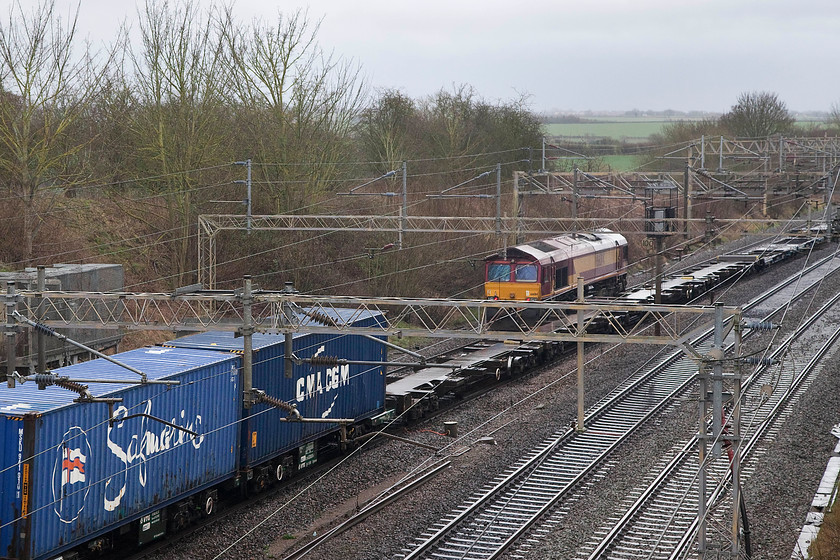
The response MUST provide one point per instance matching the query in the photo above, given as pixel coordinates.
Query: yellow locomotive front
(512, 279)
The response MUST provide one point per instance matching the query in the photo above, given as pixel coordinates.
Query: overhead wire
(381, 162)
(361, 256)
(419, 467)
(234, 260)
(165, 391)
(416, 469)
(228, 165)
(743, 396)
(449, 260)
(165, 241)
(727, 289)
(121, 182)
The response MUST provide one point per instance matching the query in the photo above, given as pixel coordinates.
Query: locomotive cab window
(526, 273)
(498, 272)
(561, 277)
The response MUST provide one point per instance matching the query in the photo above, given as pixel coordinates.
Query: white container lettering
(139, 446)
(321, 382)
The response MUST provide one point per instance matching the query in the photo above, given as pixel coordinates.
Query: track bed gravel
(778, 494)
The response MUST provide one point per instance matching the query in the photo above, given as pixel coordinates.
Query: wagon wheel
(208, 504)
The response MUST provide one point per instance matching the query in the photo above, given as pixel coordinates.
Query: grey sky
(569, 54)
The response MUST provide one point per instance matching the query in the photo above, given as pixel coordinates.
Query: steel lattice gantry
(210, 225)
(696, 182)
(246, 311)
(441, 318)
(779, 152)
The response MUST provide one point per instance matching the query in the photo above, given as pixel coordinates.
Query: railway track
(509, 507)
(519, 358)
(416, 392)
(660, 519)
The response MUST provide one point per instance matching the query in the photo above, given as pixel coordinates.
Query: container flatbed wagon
(72, 480)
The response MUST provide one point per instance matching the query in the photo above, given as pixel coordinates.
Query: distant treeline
(594, 116)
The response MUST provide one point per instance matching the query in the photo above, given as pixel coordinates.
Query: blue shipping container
(67, 475)
(349, 391)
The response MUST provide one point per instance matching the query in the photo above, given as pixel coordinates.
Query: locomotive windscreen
(526, 273)
(498, 272)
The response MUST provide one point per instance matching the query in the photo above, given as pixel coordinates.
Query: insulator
(759, 361)
(71, 386)
(324, 360)
(261, 397)
(43, 329)
(44, 379)
(320, 317)
(760, 325)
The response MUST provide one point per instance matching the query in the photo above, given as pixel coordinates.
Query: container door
(11, 485)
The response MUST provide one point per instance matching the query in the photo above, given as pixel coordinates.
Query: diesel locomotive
(549, 268)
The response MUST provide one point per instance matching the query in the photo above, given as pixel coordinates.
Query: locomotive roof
(563, 247)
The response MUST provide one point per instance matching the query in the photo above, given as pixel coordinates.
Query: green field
(633, 129)
(621, 162)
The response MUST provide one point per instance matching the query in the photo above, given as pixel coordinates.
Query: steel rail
(749, 306)
(784, 400)
(389, 496)
(676, 467)
(606, 439)
(586, 441)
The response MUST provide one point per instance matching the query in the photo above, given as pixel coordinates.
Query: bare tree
(449, 131)
(180, 72)
(834, 116)
(758, 114)
(385, 129)
(452, 115)
(299, 104)
(44, 88)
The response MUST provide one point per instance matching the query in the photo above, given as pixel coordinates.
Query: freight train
(420, 392)
(78, 476)
(549, 269)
